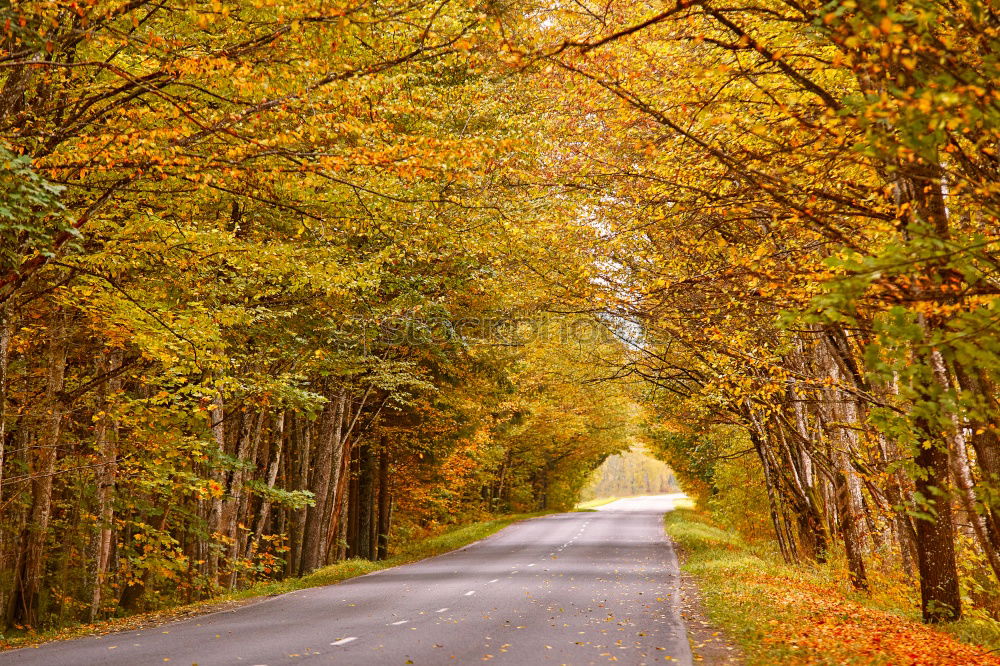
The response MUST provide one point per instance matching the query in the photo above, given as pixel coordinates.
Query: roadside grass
(803, 614)
(450, 540)
(593, 504)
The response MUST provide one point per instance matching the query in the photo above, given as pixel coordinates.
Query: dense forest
(287, 282)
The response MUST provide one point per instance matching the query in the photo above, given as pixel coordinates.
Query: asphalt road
(571, 588)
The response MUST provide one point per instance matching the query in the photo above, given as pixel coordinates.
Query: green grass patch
(594, 503)
(452, 539)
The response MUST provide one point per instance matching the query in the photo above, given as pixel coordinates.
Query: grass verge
(593, 504)
(786, 614)
(437, 545)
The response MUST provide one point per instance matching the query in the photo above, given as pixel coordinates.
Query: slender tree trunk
(298, 535)
(317, 517)
(850, 515)
(809, 518)
(250, 437)
(787, 549)
(218, 426)
(366, 478)
(272, 477)
(333, 509)
(353, 504)
(342, 492)
(5, 332)
(959, 460)
(99, 549)
(895, 492)
(384, 502)
(28, 580)
(842, 418)
(984, 436)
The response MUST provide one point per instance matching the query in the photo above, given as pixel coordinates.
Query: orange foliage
(838, 630)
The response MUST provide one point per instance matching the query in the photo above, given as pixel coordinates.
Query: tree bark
(272, 477)
(939, 591)
(384, 502)
(25, 599)
(234, 528)
(984, 436)
(317, 518)
(353, 504)
(366, 480)
(298, 534)
(959, 460)
(216, 417)
(6, 324)
(99, 549)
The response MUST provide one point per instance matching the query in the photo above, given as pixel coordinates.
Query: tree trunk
(6, 325)
(250, 436)
(272, 477)
(99, 548)
(25, 599)
(842, 419)
(366, 480)
(939, 592)
(787, 549)
(317, 518)
(339, 530)
(850, 516)
(384, 502)
(218, 426)
(959, 460)
(298, 535)
(984, 435)
(895, 492)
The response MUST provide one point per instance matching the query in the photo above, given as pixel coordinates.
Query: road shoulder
(709, 643)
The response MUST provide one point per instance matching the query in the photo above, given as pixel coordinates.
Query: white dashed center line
(344, 641)
(470, 593)
(400, 622)
(441, 610)
(494, 580)
(532, 564)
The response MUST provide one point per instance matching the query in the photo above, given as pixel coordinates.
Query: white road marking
(343, 641)
(532, 564)
(470, 593)
(401, 622)
(494, 580)
(441, 610)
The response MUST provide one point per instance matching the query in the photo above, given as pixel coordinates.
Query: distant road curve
(571, 588)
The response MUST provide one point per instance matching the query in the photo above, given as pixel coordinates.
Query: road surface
(571, 588)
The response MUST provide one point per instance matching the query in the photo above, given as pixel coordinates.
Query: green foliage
(31, 213)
